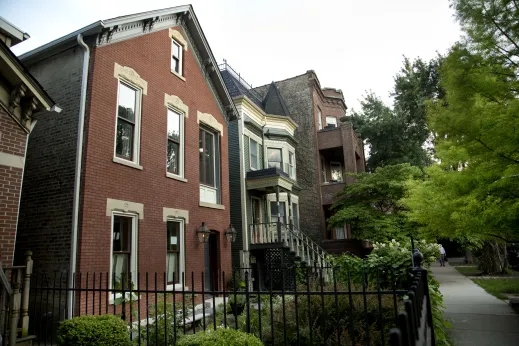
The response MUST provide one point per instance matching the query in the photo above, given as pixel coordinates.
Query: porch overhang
(265, 179)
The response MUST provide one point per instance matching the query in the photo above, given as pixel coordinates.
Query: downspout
(243, 188)
(77, 174)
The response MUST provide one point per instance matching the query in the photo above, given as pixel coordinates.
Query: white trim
(252, 135)
(258, 162)
(134, 248)
(10, 160)
(209, 120)
(294, 176)
(137, 132)
(172, 213)
(126, 163)
(211, 205)
(124, 207)
(179, 76)
(175, 42)
(331, 117)
(176, 177)
(182, 254)
(175, 102)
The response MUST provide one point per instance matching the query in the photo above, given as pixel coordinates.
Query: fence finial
(417, 258)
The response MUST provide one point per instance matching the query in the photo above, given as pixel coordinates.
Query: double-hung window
(127, 129)
(274, 156)
(173, 248)
(291, 165)
(254, 154)
(336, 171)
(320, 118)
(274, 212)
(176, 57)
(123, 250)
(174, 152)
(209, 157)
(331, 121)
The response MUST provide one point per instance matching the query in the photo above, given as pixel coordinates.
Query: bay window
(331, 121)
(274, 212)
(254, 154)
(274, 157)
(291, 165)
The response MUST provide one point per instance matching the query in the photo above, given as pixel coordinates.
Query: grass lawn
(468, 270)
(497, 287)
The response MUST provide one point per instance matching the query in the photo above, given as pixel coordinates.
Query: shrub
(105, 330)
(220, 337)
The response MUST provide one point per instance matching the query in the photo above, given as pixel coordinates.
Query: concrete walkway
(477, 317)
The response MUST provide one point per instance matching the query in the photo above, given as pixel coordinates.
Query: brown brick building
(22, 101)
(327, 149)
(154, 161)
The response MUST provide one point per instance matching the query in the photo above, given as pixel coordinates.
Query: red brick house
(127, 190)
(22, 101)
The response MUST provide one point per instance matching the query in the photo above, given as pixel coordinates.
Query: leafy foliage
(220, 337)
(105, 330)
(372, 204)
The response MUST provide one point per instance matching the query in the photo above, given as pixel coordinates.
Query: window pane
(127, 98)
(122, 232)
(209, 159)
(331, 121)
(120, 270)
(274, 157)
(173, 125)
(340, 233)
(274, 212)
(201, 155)
(124, 139)
(172, 162)
(175, 49)
(253, 154)
(336, 171)
(173, 233)
(295, 215)
(172, 267)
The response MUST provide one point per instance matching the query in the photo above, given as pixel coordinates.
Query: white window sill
(127, 163)
(178, 75)
(211, 205)
(134, 297)
(176, 177)
(178, 287)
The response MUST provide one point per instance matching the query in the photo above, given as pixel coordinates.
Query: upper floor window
(323, 170)
(254, 154)
(320, 118)
(274, 158)
(175, 141)
(331, 121)
(336, 171)
(176, 57)
(207, 157)
(291, 164)
(127, 129)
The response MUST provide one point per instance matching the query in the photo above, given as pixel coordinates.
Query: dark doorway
(212, 261)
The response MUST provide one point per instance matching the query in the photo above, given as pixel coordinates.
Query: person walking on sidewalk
(442, 256)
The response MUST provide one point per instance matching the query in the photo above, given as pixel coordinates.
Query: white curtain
(172, 267)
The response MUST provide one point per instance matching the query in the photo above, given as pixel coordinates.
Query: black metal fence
(323, 306)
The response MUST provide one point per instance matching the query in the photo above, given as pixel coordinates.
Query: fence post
(25, 295)
(418, 260)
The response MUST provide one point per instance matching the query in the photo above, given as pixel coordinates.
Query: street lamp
(203, 233)
(230, 234)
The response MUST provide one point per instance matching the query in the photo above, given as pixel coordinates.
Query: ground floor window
(124, 251)
(274, 212)
(174, 240)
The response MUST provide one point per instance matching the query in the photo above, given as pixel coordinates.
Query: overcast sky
(353, 45)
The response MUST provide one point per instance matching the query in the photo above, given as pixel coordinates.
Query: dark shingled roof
(236, 88)
(274, 103)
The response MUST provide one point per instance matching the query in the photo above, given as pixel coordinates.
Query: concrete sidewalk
(477, 317)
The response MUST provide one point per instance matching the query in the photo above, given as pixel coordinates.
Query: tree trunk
(492, 257)
(469, 256)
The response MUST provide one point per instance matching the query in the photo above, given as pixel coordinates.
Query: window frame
(331, 117)
(257, 154)
(135, 157)
(281, 156)
(181, 143)
(292, 165)
(336, 163)
(323, 170)
(181, 253)
(215, 143)
(320, 118)
(180, 58)
(133, 246)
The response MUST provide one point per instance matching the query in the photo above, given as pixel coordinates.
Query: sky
(352, 45)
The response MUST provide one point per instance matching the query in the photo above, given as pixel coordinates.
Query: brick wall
(12, 142)
(149, 56)
(48, 186)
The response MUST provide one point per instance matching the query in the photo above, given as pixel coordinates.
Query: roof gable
(273, 102)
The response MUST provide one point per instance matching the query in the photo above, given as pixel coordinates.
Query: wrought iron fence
(355, 308)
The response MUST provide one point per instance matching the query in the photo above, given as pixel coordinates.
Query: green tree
(397, 135)
(372, 204)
